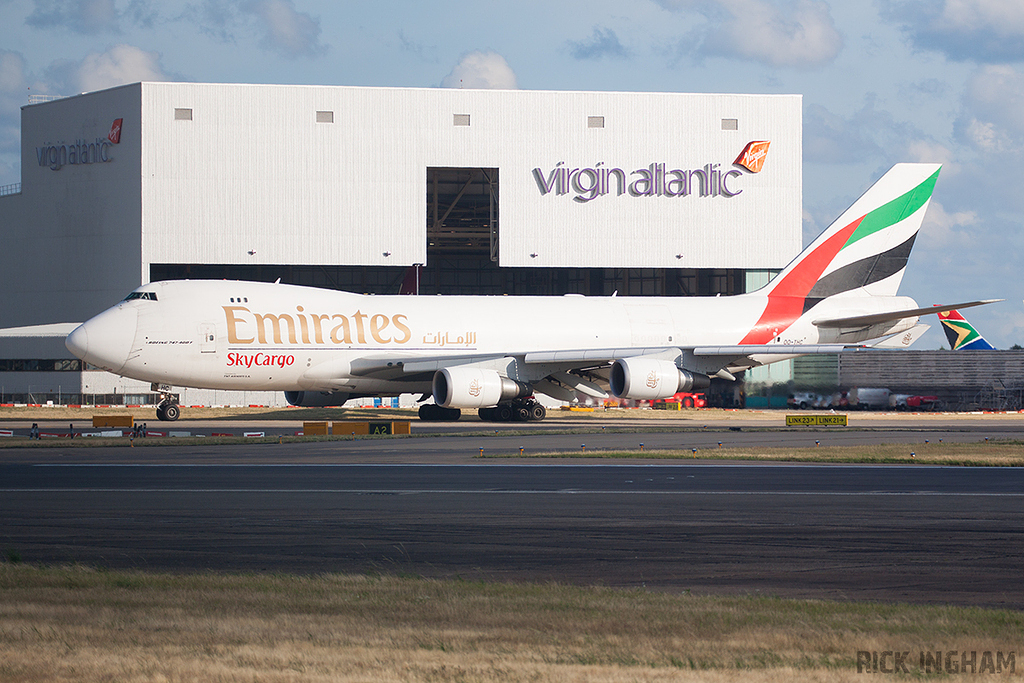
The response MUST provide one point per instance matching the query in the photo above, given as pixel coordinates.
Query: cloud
(944, 229)
(283, 29)
(603, 43)
(99, 70)
(795, 33)
(992, 115)
(215, 18)
(485, 70)
(832, 139)
(79, 16)
(14, 86)
(141, 13)
(963, 30)
(286, 30)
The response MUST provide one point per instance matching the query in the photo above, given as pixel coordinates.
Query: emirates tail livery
(325, 347)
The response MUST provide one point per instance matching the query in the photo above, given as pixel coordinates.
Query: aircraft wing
(573, 359)
(892, 316)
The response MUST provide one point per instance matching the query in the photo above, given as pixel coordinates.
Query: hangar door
(462, 212)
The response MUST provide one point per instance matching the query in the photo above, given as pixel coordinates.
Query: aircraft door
(208, 338)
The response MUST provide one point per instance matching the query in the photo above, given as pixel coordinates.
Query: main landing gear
(522, 410)
(167, 409)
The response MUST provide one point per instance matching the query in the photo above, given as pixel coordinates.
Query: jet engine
(475, 388)
(652, 378)
(315, 399)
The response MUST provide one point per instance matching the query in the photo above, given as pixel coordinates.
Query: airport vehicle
(914, 402)
(805, 399)
(961, 334)
(869, 398)
(493, 353)
(685, 399)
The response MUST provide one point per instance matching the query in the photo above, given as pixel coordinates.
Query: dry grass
(987, 454)
(64, 624)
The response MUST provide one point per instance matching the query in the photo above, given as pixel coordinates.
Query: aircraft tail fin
(961, 334)
(864, 251)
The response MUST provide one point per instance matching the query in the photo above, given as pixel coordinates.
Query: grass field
(982, 454)
(75, 623)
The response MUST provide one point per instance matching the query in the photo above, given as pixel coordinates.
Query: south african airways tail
(962, 335)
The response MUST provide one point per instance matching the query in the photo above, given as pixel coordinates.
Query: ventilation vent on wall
(182, 114)
(595, 122)
(325, 117)
(461, 120)
(730, 124)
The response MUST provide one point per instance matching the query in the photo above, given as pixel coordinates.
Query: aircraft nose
(78, 342)
(105, 340)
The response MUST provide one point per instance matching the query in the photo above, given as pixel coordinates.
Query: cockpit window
(148, 296)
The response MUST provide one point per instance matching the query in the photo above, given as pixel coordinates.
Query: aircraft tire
(503, 413)
(171, 412)
(538, 412)
(487, 414)
(521, 414)
(160, 415)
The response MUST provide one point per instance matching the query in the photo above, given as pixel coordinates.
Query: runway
(920, 534)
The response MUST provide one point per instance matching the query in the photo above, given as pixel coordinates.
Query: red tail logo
(115, 131)
(753, 155)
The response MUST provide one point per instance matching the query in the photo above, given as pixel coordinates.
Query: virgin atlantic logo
(115, 132)
(753, 155)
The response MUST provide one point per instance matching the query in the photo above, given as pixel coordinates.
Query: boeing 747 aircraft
(494, 354)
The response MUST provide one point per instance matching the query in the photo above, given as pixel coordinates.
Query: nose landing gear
(167, 409)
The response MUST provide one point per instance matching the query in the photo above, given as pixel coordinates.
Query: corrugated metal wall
(252, 177)
(915, 370)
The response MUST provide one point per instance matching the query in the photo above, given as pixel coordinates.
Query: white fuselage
(259, 336)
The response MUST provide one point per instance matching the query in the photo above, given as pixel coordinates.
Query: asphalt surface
(916, 533)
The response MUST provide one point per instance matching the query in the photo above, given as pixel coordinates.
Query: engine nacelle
(475, 388)
(652, 378)
(315, 399)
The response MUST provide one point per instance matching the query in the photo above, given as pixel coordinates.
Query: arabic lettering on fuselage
(449, 339)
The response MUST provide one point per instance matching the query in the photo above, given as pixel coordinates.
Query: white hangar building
(382, 190)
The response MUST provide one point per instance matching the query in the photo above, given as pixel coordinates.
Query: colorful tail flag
(961, 334)
(865, 249)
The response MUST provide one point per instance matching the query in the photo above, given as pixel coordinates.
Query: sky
(882, 82)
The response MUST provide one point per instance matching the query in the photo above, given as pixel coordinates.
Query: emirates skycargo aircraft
(494, 353)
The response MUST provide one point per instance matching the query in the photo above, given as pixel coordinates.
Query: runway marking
(958, 494)
(669, 464)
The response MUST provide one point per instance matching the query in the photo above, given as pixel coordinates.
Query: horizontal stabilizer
(902, 340)
(891, 316)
